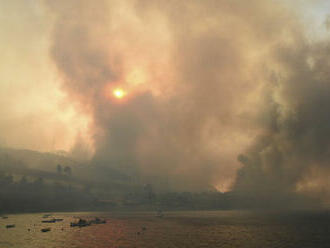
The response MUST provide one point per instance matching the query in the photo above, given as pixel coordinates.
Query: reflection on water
(176, 229)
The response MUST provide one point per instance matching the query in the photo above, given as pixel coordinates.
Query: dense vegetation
(27, 196)
(75, 187)
(24, 196)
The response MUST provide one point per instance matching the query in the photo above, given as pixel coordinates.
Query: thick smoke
(296, 117)
(204, 78)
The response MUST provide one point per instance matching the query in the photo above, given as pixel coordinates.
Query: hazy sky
(34, 112)
(194, 74)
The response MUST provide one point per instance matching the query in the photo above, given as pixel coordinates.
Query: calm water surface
(176, 229)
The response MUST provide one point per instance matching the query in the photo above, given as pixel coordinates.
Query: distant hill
(36, 160)
(34, 164)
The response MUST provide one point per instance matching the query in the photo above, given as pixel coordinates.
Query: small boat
(97, 221)
(80, 223)
(49, 221)
(46, 215)
(4, 217)
(10, 226)
(45, 229)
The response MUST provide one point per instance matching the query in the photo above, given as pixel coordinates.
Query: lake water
(176, 229)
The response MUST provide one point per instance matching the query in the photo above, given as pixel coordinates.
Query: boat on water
(51, 220)
(45, 229)
(83, 223)
(97, 221)
(10, 226)
(80, 223)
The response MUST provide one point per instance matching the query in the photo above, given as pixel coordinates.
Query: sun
(119, 93)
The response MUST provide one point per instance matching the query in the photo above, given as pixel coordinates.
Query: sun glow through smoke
(119, 93)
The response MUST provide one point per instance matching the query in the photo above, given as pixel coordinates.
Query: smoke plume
(205, 81)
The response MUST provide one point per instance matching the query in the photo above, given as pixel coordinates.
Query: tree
(67, 170)
(23, 182)
(149, 192)
(59, 169)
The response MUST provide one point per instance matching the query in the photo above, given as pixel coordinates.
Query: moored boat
(98, 221)
(80, 223)
(49, 221)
